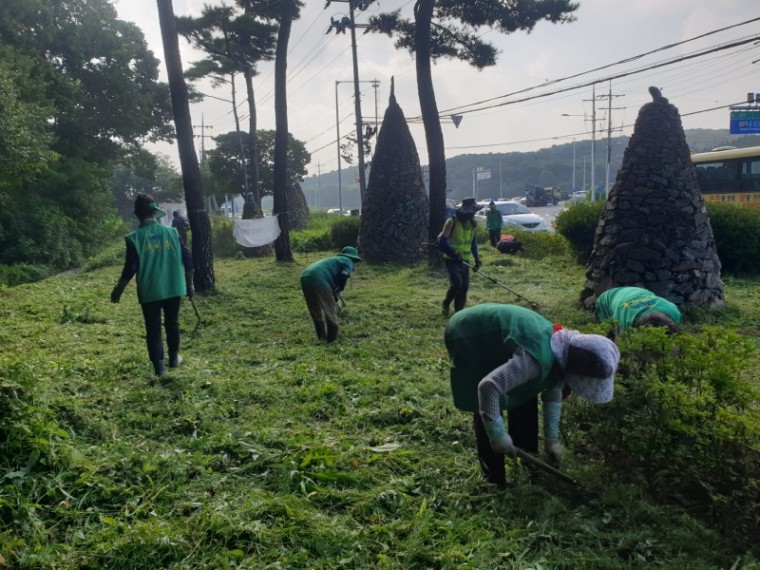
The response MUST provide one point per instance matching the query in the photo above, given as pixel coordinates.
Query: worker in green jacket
(457, 242)
(493, 223)
(636, 307)
(502, 358)
(164, 269)
(322, 283)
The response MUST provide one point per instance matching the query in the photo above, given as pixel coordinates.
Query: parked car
(517, 216)
(579, 196)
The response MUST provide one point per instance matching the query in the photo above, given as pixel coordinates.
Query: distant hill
(510, 172)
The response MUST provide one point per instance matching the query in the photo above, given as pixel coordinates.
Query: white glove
(553, 449)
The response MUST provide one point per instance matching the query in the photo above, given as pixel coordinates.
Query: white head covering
(595, 390)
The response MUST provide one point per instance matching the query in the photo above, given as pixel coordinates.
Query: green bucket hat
(350, 253)
(146, 204)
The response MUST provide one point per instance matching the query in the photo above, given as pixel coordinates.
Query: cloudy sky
(496, 118)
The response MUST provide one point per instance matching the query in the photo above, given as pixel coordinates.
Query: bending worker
(157, 255)
(636, 307)
(457, 242)
(322, 283)
(503, 357)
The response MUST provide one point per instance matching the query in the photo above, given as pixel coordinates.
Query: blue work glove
(498, 436)
(552, 445)
(478, 265)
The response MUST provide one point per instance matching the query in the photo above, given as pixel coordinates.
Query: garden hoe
(536, 462)
(197, 314)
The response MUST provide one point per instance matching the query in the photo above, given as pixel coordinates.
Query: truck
(538, 196)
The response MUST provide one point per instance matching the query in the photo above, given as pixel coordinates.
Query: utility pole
(319, 185)
(609, 140)
(203, 136)
(340, 27)
(337, 130)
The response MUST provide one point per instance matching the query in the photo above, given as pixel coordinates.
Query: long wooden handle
(528, 458)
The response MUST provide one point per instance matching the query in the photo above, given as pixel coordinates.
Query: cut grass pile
(268, 449)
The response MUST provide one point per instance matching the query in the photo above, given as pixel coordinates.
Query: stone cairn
(298, 208)
(654, 231)
(394, 214)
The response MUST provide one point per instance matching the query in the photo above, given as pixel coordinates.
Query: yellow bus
(729, 174)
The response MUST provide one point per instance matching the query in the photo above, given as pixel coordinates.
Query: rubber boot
(159, 368)
(319, 326)
(332, 332)
(175, 360)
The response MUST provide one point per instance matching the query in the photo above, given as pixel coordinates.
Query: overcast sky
(606, 32)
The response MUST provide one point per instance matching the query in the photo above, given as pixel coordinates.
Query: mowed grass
(268, 449)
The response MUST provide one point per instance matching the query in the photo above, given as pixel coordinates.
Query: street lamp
(584, 168)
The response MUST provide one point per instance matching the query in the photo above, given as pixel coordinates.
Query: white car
(515, 215)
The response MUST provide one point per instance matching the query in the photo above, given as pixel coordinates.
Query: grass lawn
(268, 449)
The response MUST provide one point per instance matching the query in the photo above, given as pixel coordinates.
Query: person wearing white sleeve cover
(503, 357)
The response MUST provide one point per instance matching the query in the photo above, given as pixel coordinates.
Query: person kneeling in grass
(632, 307)
(503, 357)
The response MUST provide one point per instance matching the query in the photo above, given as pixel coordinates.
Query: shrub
(685, 425)
(537, 245)
(308, 241)
(578, 225)
(20, 273)
(110, 256)
(222, 239)
(345, 231)
(737, 237)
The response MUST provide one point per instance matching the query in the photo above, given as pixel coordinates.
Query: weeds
(270, 449)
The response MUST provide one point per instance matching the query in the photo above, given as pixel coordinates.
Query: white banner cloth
(257, 232)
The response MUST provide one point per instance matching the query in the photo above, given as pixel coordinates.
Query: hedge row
(736, 231)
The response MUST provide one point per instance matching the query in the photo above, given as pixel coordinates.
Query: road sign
(745, 122)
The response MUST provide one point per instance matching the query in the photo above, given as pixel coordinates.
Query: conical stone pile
(394, 215)
(655, 232)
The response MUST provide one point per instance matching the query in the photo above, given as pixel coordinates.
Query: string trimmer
(480, 272)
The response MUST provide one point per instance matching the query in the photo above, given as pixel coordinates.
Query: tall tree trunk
(253, 151)
(203, 254)
(280, 190)
(423, 13)
(241, 144)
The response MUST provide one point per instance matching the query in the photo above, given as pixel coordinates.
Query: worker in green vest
(322, 283)
(164, 269)
(636, 307)
(502, 358)
(493, 223)
(457, 242)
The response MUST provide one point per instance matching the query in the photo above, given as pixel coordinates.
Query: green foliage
(268, 448)
(737, 236)
(222, 238)
(110, 256)
(685, 424)
(19, 273)
(345, 231)
(578, 224)
(538, 245)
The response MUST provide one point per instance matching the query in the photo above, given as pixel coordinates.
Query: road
(548, 213)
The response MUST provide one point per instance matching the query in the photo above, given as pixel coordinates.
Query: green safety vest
(628, 304)
(460, 240)
(160, 274)
(483, 337)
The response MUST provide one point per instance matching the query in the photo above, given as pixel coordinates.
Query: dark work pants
(494, 236)
(152, 315)
(459, 283)
(522, 426)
